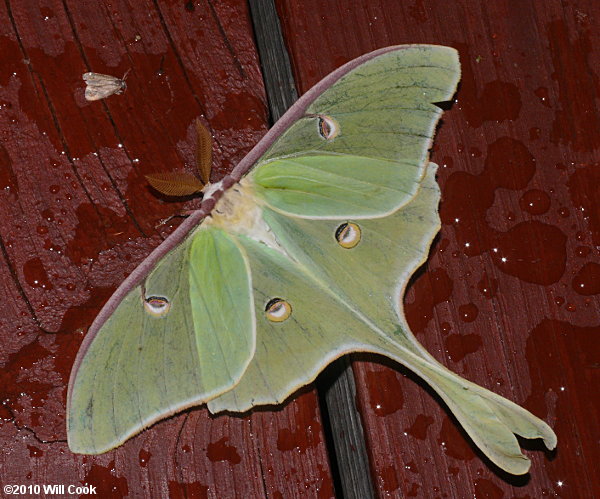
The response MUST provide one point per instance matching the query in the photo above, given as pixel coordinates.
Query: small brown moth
(100, 86)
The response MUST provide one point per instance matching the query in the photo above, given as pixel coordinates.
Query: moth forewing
(99, 86)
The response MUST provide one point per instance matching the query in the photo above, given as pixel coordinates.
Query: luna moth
(298, 257)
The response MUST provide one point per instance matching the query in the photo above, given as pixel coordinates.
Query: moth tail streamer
(489, 419)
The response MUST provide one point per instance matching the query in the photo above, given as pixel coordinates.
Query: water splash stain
(532, 251)
(107, 484)
(414, 490)
(418, 11)
(432, 288)
(14, 383)
(307, 433)
(144, 456)
(487, 488)
(582, 251)
(459, 346)
(508, 164)
(35, 274)
(221, 451)
(99, 228)
(542, 94)
(81, 315)
(468, 312)
(35, 451)
(445, 328)
(389, 479)
(419, 428)
(453, 443)
(535, 201)
(66, 345)
(498, 101)
(385, 392)
(186, 490)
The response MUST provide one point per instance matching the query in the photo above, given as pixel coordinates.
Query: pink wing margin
(292, 114)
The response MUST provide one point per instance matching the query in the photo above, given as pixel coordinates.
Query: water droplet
(35, 274)
(582, 251)
(587, 280)
(468, 312)
(447, 162)
(445, 327)
(144, 457)
(564, 212)
(542, 94)
(384, 402)
(535, 202)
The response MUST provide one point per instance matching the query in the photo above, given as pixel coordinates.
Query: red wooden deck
(509, 297)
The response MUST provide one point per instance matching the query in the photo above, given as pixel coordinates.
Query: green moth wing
(169, 345)
(304, 259)
(361, 148)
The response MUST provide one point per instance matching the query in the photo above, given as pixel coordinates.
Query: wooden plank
(77, 217)
(519, 174)
(348, 446)
(274, 59)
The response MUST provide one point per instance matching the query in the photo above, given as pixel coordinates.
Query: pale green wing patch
(141, 366)
(222, 308)
(369, 135)
(345, 185)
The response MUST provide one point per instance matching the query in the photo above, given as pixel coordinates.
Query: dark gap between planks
(341, 421)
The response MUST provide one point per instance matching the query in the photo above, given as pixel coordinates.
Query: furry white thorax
(238, 211)
(210, 189)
